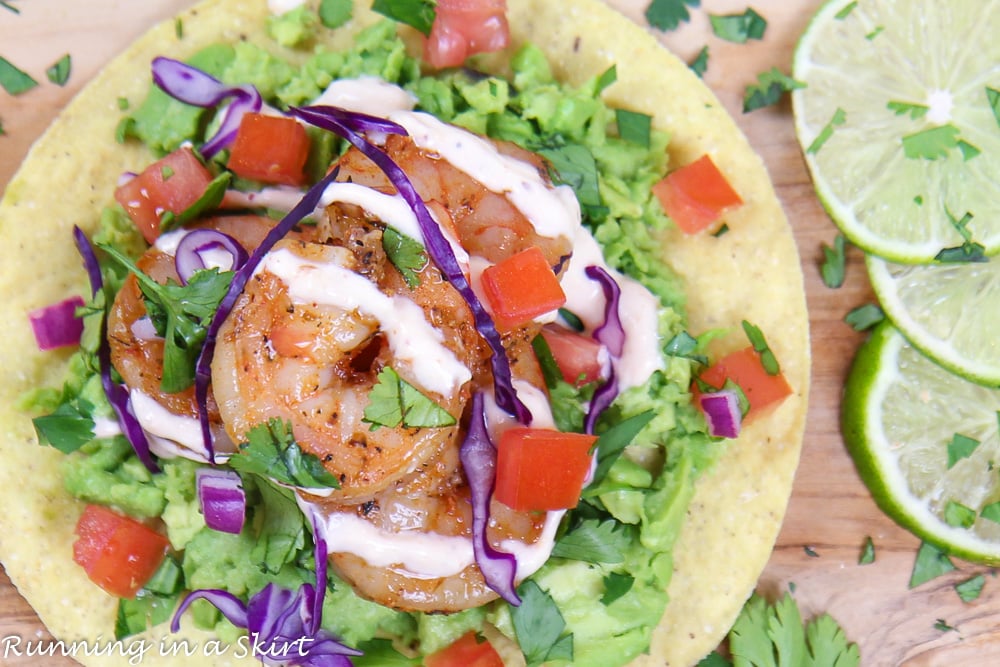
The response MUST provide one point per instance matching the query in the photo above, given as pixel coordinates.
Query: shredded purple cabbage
(57, 325)
(611, 334)
(203, 366)
(116, 393)
(284, 626)
(192, 86)
(350, 126)
(478, 458)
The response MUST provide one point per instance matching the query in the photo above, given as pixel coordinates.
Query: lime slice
(901, 414)
(948, 311)
(898, 124)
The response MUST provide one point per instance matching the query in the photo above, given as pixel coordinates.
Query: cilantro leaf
(969, 251)
(932, 143)
(943, 625)
(181, 314)
(406, 254)
(271, 451)
(539, 626)
(958, 515)
(687, 346)
(700, 63)
(68, 428)
(991, 512)
(594, 541)
(993, 97)
(760, 346)
(281, 534)
(574, 165)
(771, 85)
(714, 660)
(839, 118)
(613, 442)
(967, 150)
(960, 447)
(867, 552)
(738, 28)
(633, 126)
(864, 317)
(970, 589)
(834, 262)
(416, 13)
(616, 585)
(916, 111)
(668, 14)
(773, 635)
(10, 6)
(607, 77)
(930, 563)
(393, 401)
(14, 80)
(59, 72)
(335, 13)
(845, 12)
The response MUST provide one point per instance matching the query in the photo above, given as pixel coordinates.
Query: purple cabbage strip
(350, 126)
(203, 366)
(611, 334)
(117, 395)
(192, 86)
(478, 458)
(284, 625)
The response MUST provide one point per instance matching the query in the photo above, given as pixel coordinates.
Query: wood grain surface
(830, 512)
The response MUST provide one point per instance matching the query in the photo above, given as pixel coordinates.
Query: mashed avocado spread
(608, 576)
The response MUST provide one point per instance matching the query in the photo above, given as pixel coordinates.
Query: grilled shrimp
(136, 352)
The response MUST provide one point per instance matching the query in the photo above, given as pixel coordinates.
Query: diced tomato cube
(580, 358)
(172, 183)
(463, 28)
(270, 149)
(696, 195)
(118, 553)
(542, 469)
(520, 288)
(745, 369)
(467, 651)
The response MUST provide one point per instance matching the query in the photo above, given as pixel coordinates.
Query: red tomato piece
(463, 28)
(580, 358)
(520, 288)
(541, 469)
(172, 183)
(271, 149)
(745, 369)
(467, 651)
(696, 195)
(118, 553)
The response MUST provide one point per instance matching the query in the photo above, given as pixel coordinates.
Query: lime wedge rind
(890, 205)
(907, 472)
(947, 311)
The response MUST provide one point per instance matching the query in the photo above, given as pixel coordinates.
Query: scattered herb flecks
(839, 118)
(867, 552)
(700, 63)
(834, 262)
(15, 81)
(770, 86)
(930, 563)
(970, 589)
(668, 14)
(738, 28)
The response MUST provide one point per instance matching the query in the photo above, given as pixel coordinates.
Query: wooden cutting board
(830, 513)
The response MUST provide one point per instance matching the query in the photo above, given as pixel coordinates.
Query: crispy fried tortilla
(750, 273)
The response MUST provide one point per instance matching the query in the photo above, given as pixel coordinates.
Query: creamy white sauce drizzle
(367, 94)
(418, 554)
(279, 7)
(170, 435)
(412, 339)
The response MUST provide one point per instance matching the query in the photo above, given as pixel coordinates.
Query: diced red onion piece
(57, 325)
(479, 462)
(221, 499)
(116, 393)
(351, 125)
(191, 250)
(192, 86)
(722, 411)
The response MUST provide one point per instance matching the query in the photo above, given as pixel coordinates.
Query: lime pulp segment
(948, 311)
(900, 412)
(900, 90)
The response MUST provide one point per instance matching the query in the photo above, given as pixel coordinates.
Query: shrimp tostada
(376, 362)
